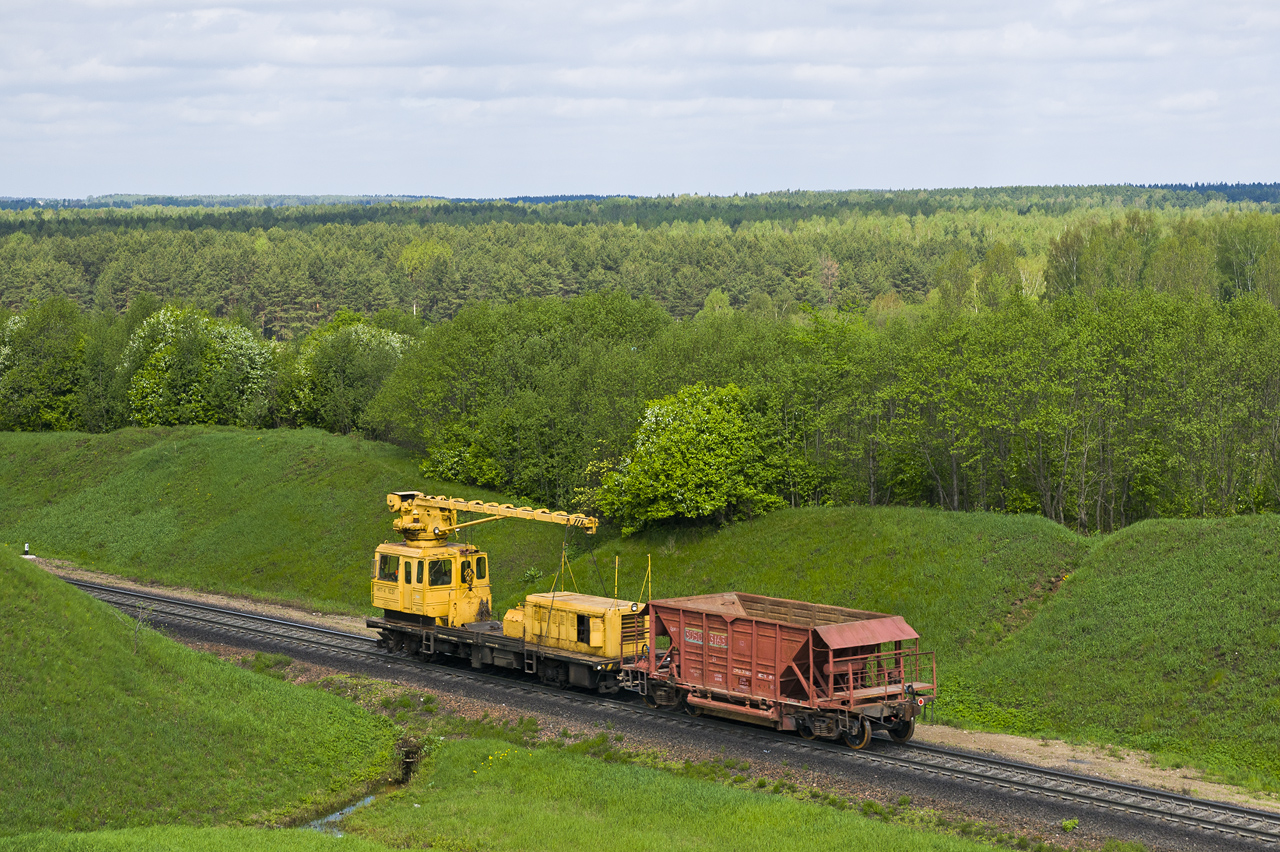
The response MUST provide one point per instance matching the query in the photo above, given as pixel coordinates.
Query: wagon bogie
(857, 736)
(813, 726)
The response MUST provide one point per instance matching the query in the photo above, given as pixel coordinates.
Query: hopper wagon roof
(838, 626)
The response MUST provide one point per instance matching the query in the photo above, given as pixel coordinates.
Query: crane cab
(448, 586)
(427, 579)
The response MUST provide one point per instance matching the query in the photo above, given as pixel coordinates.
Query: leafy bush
(40, 368)
(186, 368)
(338, 370)
(697, 454)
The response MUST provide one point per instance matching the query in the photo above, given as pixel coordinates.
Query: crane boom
(425, 518)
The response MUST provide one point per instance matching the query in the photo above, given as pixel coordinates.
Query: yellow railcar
(436, 599)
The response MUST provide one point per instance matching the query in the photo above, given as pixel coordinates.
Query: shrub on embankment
(108, 727)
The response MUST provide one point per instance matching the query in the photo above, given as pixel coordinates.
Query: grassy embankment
(108, 727)
(494, 795)
(1165, 639)
(186, 839)
(1159, 639)
(501, 796)
(285, 514)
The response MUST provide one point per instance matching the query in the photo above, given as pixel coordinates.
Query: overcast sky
(498, 98)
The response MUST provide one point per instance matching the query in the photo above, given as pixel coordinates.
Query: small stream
(329, 824)
(410, 751)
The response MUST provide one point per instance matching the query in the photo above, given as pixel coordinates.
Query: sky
(493, 98)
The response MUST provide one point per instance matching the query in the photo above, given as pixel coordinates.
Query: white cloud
(1196, 101)
(499, 97)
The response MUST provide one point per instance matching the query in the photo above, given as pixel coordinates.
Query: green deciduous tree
(184, 367)
(697, 454)
(40, 357)
(338, 370)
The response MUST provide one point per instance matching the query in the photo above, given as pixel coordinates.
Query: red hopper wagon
(824, 671)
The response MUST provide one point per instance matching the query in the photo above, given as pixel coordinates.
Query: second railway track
(1216, 818)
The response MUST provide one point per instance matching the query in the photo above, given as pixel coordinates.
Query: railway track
(162, 609)
(1215, 818)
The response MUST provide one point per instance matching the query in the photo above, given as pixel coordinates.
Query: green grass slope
(499, 796)
(184, 839)
(1161, 638)
(99, 734)
(289, 514)
(1165, 639)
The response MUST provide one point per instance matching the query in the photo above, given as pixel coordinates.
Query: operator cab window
(482, 567)
(408, 571)
(420, 564)
(584, 629)
(439, 572)
(387, 567)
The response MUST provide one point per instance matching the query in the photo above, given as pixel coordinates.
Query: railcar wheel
(693, 710)
(650, 701)
(858, 739)
(805, 730)
(903, 731)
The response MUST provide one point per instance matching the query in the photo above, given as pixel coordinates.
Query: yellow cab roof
(403, 548)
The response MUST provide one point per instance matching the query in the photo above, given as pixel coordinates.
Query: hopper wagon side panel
(739, 655)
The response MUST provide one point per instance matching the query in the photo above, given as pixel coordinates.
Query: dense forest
(1100, 364)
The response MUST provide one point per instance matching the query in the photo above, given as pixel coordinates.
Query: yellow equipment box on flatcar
(587, 624)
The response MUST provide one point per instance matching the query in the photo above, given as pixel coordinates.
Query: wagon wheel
(692, 710)
(858, 739)
(903, 731)
(805, 730)
(650, 700)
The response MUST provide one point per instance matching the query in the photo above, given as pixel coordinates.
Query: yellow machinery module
(435, 598)
(586, 624)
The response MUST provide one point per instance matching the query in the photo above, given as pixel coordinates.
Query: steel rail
(1219, 817)
(1221, 814)
(1011, 776)
(224, 620)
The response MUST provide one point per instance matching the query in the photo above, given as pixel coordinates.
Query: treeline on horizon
(121, 201)
(285, 282)
(77, 217)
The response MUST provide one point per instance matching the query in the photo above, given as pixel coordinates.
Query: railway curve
(1206, 817)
